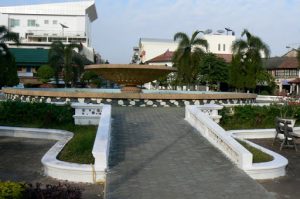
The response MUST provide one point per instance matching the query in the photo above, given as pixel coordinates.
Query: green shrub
(39, 114)
(249, 117)
(44, 73)
(11, 190)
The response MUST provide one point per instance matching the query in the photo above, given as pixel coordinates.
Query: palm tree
(247, 61)
(8, 68)
(62, 58)
(187, 56)
(6, 35)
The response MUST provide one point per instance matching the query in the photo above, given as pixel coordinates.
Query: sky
(121, 23)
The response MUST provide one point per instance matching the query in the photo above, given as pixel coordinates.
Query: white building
(151, 48)
(39, 25)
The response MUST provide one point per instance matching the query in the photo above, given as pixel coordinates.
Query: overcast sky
(121, 23)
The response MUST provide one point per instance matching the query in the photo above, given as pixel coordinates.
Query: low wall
(269, 98)
(71, 171)
(226, 143)
(128, 99)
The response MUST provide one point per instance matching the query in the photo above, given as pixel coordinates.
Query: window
(224, 47)
(286, 73)
(54, 22)
(46, 22)
(28, 69)
(31, 22)
(14, 22)
(219, 47)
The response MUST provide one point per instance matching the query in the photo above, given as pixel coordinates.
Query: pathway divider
(71, 171)
(226, 143)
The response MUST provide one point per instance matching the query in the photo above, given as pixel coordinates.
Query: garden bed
(42, 115)
(258, 155)
(258, 117)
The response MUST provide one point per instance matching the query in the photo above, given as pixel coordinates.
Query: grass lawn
(258, 155)
(79, 148)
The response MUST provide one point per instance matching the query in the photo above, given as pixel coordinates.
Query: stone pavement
(21, 161)
(287, 186)
(155, 154)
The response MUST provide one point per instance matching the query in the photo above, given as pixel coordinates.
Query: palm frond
(3, 30)
(239, 46)
(201, 42)
(11, 36)
(195, 34)
(247, 33)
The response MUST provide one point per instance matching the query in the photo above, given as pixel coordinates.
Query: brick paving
(156, 154)
(287, 186)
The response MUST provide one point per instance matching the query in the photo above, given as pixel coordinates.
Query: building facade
(285, 70)
(41, 24)
(149, 48)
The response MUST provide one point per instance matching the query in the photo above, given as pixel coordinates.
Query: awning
(295, 81)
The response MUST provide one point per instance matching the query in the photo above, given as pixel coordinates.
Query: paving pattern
(156, 154)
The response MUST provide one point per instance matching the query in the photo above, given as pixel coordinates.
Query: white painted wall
(216, 41)
(76, 25)
(154, 47)
(77, 16)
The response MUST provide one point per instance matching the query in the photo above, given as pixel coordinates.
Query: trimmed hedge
(251, 117)
(40, 114)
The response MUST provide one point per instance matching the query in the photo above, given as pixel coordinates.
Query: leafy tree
(187, 57)
(213, 69)
(63, 58)
(44, 73)
(247, 61)
(8, 67)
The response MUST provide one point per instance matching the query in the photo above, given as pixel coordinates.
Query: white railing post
(87, 114)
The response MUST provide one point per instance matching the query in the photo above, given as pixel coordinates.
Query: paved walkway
(287, 186)
(21, 161)
(156, 154)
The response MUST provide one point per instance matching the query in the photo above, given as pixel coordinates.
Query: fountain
(130, 75)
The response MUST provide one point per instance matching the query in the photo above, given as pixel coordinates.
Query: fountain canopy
(130, 75)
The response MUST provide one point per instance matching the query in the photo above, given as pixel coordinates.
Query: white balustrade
(226, 143)
(211, 110)
(87, 114)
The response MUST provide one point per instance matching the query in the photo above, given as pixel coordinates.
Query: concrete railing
(71, 171)
(212, 111)
(226, 143)
(87, 114)
(102, 140)
(217, 136)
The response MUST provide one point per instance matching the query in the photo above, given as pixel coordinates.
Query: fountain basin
(130, 75)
